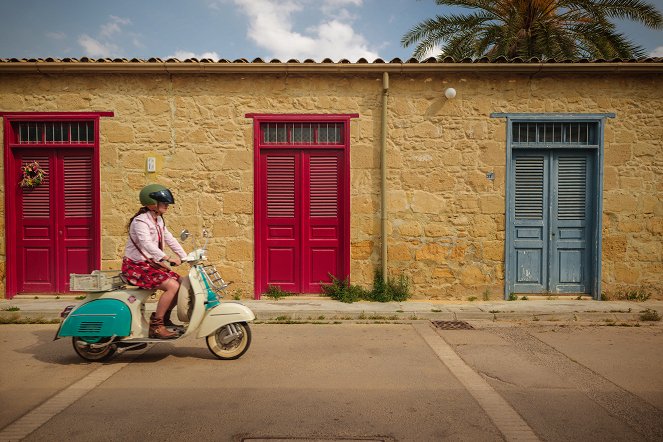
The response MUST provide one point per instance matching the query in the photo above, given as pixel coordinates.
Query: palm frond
(635, 10)
(534, 28)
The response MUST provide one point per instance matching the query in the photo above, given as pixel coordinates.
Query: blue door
(552, 202)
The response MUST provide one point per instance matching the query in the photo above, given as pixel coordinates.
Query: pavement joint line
(506, 419)
(37, 417)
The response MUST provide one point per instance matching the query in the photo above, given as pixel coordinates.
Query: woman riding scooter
(145, 264)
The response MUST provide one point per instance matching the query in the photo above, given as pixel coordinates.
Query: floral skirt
(142, 274)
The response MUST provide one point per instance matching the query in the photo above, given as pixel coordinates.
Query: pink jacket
(146, 232)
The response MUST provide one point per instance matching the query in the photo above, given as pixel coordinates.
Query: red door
(302, 221)
(54, 221)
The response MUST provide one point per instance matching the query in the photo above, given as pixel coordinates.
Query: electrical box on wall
(151, 164)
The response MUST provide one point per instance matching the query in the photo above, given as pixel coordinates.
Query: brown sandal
(158, 330)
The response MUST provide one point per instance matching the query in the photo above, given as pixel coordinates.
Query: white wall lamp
(450, 93)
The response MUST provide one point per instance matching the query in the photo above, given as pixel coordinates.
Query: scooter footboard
(224, 314)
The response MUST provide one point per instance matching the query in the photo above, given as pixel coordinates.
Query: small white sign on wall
(151, 164)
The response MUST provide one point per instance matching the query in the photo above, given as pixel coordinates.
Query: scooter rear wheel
(223, 348)
(85, 350)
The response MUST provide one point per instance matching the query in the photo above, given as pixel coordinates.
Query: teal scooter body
(98, 318)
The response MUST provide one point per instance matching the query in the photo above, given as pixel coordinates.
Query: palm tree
(561, 29)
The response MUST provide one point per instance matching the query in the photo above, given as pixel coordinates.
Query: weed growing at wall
(393, 289)
(276, 293)
(343, 291)
(639, 294)
(650, 315)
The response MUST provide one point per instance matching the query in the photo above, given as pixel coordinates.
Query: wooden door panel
(76, 222)
(323, 219)
(35, 225)
(54, 221)
(280, 224)
(571, 215)
(302, 221)
(36, 269)
(530, 200)
(551, 238)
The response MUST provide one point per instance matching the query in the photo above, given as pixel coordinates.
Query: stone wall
(447, 222)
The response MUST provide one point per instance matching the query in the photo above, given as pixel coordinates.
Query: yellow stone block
(444, 273)
(238, 160)
(399, 252)
(410, 228)
(117, 133)
(432, 252)
(238, 202)
(426, 202)
(156, 106)
(492, 204)
(361, 249)
(239, 250)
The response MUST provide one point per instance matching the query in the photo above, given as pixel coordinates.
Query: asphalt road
(346, 382)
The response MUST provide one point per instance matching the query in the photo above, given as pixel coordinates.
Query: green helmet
(153, 193)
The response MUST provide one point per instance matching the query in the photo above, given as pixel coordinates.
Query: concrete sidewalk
(312, 308)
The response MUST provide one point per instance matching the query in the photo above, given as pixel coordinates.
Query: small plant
(57, 297)
(512, 297)
(639, 294)
(276, 292)
(579, 298)
(390, 290)
(472, 298)
(524, 298)
(436, 310)
(11, 308)
(237, 294)
(486, 295)
(80, 297)
(321, 317)
(36, 297)
(383, 291)
(342, 290)
(650, 315)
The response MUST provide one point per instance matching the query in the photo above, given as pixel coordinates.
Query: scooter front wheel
(230, 341)
(93, 349)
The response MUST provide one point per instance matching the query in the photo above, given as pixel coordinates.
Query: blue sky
(229, 29)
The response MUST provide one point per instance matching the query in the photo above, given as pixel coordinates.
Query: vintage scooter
(113, 321)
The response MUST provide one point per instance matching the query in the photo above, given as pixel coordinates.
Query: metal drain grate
(452, 325)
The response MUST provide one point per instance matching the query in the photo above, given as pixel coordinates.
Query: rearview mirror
(184, 234)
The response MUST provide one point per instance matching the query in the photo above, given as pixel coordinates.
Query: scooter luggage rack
(216, 282)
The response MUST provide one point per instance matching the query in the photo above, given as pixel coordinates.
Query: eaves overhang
(395, 66)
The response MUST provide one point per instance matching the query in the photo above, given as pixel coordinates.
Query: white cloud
(105, 44)
(271, 28)
(183, 55)
(114, 26)
(96, 49)
(658, 52)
